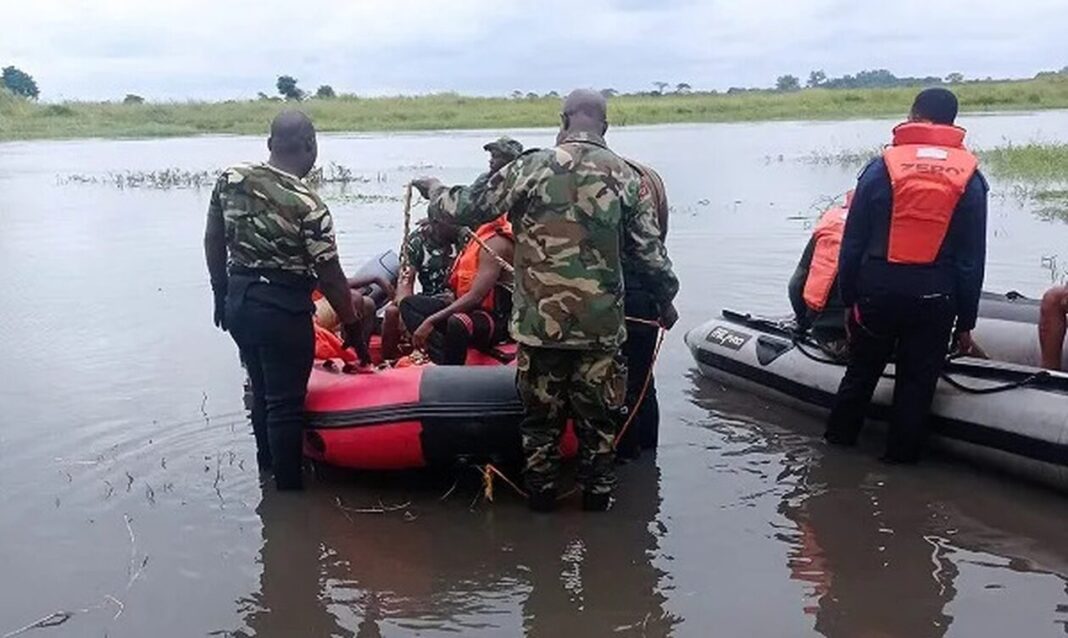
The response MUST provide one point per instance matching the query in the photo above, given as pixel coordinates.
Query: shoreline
(26, 121)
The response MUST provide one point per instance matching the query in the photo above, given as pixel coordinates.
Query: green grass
(25, 120)
(1041, 163)
(1036, 162)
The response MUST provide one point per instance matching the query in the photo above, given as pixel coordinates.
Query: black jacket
(957, 271)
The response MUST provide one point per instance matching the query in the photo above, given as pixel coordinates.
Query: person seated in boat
(328, 344)
(431, 250)
(477, 313)
(1052, 326)
(501, 152)
(813, 288)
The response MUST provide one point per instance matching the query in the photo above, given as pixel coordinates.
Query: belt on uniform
(275, 277)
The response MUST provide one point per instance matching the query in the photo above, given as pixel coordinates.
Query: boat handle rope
(946, 376)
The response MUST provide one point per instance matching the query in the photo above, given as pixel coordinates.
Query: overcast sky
(207, 49)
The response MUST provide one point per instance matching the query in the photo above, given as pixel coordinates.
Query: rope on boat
(501, 261)
(946, 376)
(405, 258)
(489, 470)
(645, 386)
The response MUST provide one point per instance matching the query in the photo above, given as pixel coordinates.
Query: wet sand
(127, 471)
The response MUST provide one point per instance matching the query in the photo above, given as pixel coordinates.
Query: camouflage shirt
(577, 214)
(273, 221)
(431, 259)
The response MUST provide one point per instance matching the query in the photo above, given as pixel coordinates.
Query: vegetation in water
(1032, 163)
(25, 119)
(177, 178)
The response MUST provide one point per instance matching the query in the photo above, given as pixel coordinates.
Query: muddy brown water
(130, 500)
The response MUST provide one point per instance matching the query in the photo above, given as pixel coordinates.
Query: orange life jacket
(823, 268)
(929, 171)
(466, 266)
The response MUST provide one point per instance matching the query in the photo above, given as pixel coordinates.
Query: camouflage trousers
(588, 386)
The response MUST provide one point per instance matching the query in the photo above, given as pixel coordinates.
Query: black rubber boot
(288, 458)
(264, 461)
(840, 440)
(596, 502)
(543, 501)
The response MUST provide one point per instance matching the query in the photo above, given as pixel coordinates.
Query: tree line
(21, 83)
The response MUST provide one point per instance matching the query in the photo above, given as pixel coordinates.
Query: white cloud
(201, 49)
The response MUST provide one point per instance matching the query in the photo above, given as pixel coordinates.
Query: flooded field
(132, 506)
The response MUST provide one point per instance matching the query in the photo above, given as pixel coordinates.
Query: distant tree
(262, 96)
(787, 83)
(133, 98)
(1064, 71)
(609, 92)
(19, 82)
(517, 94)
(325, 92)
(816, 78)
(683, 87)
(955, 78)
(552, 94)
(660, 86)
(532, 95)
(287, 88)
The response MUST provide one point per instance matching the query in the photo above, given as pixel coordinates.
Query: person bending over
(813, 288)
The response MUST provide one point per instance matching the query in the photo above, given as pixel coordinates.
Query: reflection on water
(889, 551)
(436, 568)
(121, 402)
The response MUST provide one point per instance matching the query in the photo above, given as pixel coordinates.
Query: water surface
(127, 472)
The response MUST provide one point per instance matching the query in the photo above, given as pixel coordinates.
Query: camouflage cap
(505, 146)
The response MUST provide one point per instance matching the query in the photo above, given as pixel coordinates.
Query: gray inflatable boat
(1002, 411)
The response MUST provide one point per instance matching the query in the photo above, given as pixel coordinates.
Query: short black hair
(936, 104)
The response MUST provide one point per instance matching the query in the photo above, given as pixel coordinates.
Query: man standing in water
(269, 241)
(577, 216)
(640, 346)
(911, 265)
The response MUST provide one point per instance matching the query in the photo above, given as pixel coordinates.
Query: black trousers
(450, 340)
(918, 330)
(277, 346)
(644, 430)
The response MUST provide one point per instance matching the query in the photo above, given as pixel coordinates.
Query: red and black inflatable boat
(416, 416)
(419, 416)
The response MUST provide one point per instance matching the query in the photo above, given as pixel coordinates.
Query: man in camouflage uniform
(269, 241)
(577, 214)
(431, 250)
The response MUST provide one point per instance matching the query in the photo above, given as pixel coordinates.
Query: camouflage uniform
(577, 213)
(277, 231)
(431, 259)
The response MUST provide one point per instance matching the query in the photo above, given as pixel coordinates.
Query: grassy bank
(1042, 163)
(26, 120)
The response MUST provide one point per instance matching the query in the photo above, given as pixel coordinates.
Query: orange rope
(489, 470)
(645, 386)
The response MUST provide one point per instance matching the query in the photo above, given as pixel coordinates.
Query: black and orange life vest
(823, 269)
(929, 171)
(465, 268)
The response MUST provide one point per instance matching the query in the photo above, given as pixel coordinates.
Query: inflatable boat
(1002, 411)
(411, 417)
